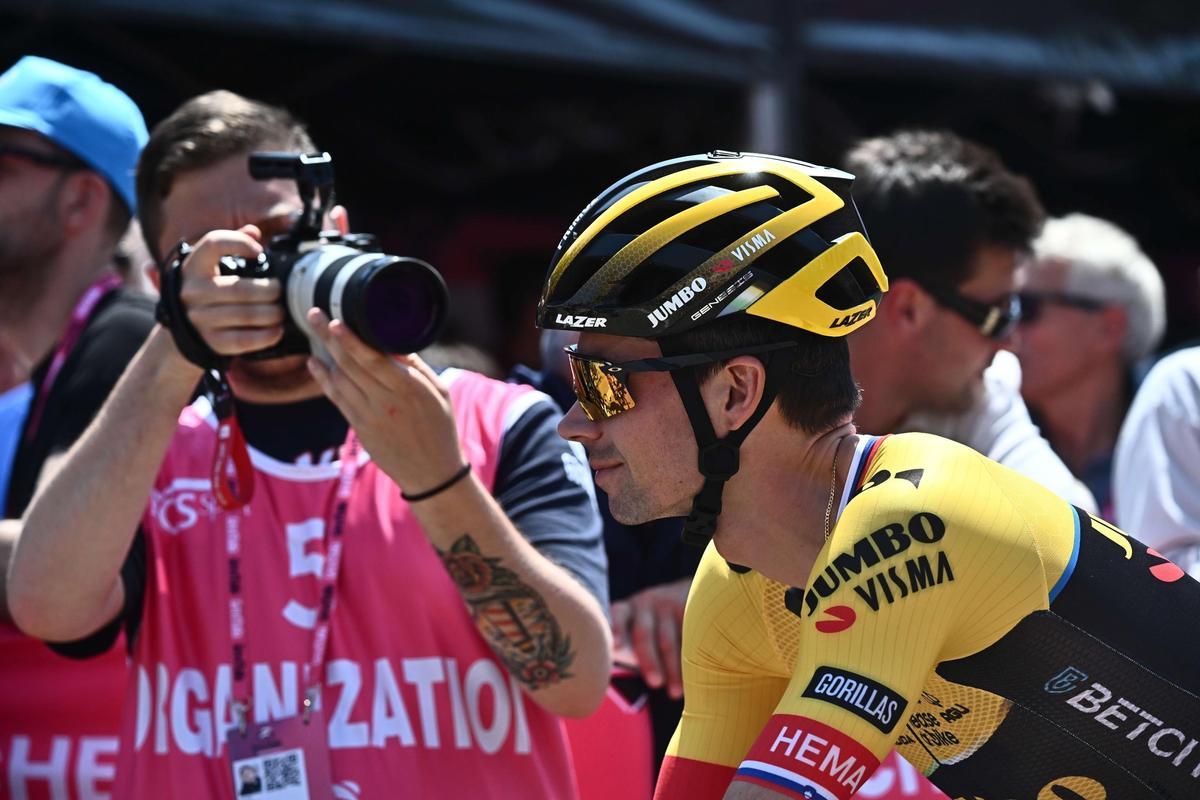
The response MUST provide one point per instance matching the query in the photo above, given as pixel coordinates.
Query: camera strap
(232, 472)
(331, 557)
(171, 313)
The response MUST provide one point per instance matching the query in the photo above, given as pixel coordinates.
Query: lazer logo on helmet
(753, 244)
(580, 322)
(676, 301)
(850, 319)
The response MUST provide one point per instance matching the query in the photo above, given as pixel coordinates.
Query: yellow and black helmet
(692, 239)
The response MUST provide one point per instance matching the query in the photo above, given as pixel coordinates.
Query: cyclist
(859, 593)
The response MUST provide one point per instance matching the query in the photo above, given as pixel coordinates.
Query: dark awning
(1148, 45)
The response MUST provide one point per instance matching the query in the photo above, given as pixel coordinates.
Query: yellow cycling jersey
(1007, 644)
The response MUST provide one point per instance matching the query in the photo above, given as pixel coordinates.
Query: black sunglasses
(602, 392)
(43, 159)
(1033, 303)
(994, 320)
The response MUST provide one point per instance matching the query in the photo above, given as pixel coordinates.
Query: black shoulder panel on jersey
(1104, 684)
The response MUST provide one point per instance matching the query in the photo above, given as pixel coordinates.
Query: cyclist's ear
(732, 394)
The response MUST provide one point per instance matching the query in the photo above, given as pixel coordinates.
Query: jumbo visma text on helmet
(685, 242)
(654, 254)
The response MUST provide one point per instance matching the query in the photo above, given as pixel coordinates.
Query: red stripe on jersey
(868, 457)
(689, 779)
(794, 752)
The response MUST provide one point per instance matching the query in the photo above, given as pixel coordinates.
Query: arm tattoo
(511, 615)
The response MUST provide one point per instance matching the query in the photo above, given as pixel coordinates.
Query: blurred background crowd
(469, 135)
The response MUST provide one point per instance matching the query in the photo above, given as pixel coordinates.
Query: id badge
(285, 759)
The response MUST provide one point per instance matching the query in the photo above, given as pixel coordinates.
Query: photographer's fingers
(347, 351)
(344, 393)
(418, 364)
(223, 316)
(205, 257)
(239, 341)
(371, 369)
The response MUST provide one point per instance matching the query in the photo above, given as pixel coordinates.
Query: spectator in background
(69, 145)
(1093, 306)
(133, 262)
(1156, 468)
(468, 610)
(950, 223)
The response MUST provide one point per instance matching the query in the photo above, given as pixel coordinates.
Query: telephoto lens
(394, 304)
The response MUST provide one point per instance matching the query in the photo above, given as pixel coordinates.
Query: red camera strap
(232, 472)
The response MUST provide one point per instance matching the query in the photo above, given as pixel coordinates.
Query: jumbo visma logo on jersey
(895, 580)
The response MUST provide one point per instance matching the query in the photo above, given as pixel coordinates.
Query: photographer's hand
(401, 412)
(234, 315)
(396, 404)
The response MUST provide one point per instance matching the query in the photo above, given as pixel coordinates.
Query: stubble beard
(277, 380)
(30, 246)
(630, 505)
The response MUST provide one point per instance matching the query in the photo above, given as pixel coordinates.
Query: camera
(394, 304)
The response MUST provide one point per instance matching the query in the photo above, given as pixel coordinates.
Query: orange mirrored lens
(601, 394)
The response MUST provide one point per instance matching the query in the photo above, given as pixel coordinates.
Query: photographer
(377, 678)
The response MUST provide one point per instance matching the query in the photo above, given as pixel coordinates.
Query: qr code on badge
(282, 771)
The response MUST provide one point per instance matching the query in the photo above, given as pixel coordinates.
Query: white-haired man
(1092, 307)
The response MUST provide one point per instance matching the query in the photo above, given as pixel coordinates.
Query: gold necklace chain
(832, 489)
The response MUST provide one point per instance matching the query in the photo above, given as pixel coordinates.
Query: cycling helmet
(685, 241)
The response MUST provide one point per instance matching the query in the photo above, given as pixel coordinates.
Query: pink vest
(416, 704)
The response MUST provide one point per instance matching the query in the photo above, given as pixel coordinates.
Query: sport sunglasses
(1033, 303)
(43, 159)
(994, 320)
(600, 387)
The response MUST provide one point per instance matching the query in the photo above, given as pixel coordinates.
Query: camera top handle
(313, 174)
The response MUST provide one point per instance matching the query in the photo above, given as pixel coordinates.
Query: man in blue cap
(69, 145)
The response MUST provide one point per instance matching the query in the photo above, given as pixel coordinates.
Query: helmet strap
(719, 459)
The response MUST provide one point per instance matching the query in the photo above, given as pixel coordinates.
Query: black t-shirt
(535, 485)
(117, 328)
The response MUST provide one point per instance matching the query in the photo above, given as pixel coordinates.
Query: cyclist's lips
(600, 469)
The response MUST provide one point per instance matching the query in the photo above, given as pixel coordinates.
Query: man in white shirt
(1156, 474)
(1092, 307)
(951, 224)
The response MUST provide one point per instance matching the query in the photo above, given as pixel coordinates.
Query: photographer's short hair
(203, 131)
(1104, 263)
(930, 200)
(819, 392)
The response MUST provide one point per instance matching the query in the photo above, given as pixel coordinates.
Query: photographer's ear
(339, 219)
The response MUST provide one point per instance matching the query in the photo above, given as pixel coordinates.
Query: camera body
(394, 304)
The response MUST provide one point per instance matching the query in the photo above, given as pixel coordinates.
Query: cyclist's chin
(277, 380)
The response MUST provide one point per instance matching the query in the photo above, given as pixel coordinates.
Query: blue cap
(76, 110)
